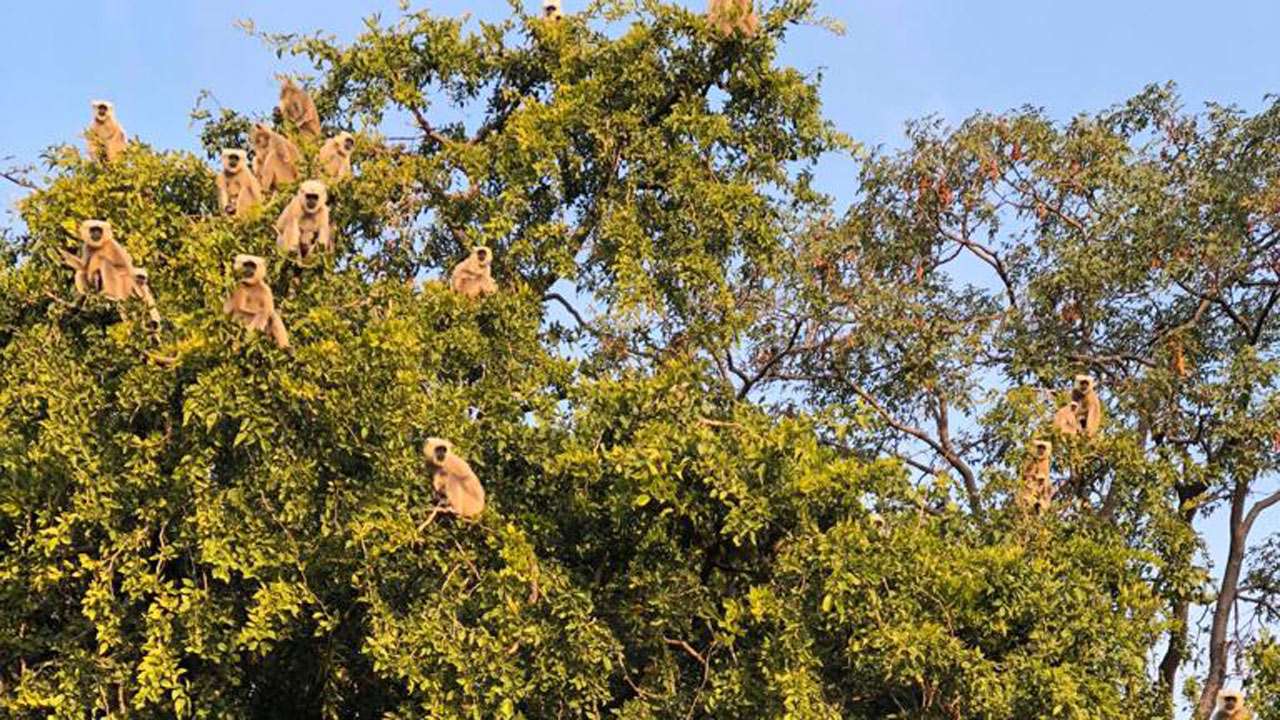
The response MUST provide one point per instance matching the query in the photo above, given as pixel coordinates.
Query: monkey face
(94, 233)
(251, 268)
(1084, 383)
(313, 194)
(312, 201)
(101, 110)
(551, 9)
(232, 160)
(436, 450)
(140, 278)
(1043, 448)
(348, 143)
(1230, 699)
(482, 256)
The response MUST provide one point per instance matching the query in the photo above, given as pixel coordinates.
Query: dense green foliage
(766, 477)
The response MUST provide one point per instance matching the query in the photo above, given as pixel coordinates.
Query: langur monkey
(335, 156)
(275, 158)
(471, 277)
(104, 136)
(298, 108)
(1067, 419)
(552, 10)
(1231, 706)
(458, 490)
(733, 16)
(1036, 492)
(1089, 410)
(304, 224)
(238, 189)
(252, 303)
(103, 265)
(142, 291)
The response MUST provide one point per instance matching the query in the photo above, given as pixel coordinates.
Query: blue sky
(900, 59)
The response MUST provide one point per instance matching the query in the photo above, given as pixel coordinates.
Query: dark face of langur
(349, 144)
(103, 111)
(247, 271)
(95, 235)
(311, 201)
(440, 453)
(1230, 702)
(233, 163)
(483, 257)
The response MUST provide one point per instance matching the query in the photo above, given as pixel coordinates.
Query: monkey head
(261, 137)
(314, 196)
(233, 160)
(251, 269)
(140, 278)
(1230, 700)
(1043, 449)
(1085, 384)
(103, 110)
(95, 233)
(437, 450)
(482, 255)
(551, 9)
(346, 143)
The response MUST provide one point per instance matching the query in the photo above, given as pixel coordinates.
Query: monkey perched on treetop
(104, 136)
(238, 189)
(103, 265)
(552, 10)
(275, 158)
(335, 156)
(1089, 410)
(472, 277)
(252, 303)
(733, 16)
(1036, 492)
(457, 488)
(298, 108)
(1067, 419)
(304, 225)
(1231, 706)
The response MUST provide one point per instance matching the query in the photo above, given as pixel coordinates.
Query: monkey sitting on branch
(472, 278)
(104, 136)
(1231, 706)
(298, 108)
(1035, 495)
(458, 490)
(733, 16)
(304, 225)
(103, 265)
(252, 303)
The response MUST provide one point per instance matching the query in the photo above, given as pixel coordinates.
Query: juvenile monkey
(103, 265)
(104, 136)
(298, 108)
(275, 158)
(142, 291)
(552, 10)
(458, 490)
(1036, 492)
(472, 277)
(1231, 706)
(238, 189)
(1089, 410)
(733, 16)
(252, 304)
(304, 224)
(1067, 420)
(335, 156)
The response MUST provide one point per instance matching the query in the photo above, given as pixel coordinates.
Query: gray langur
(103, 265)
(142, 291)
(275, 158)
(1231, 706)
(335, 156)
(472, 277)
(1035, 494)
(1089, 410)
(733, 16)
(1067, 419)
(238, 188)
(304, 225)
(104, 136)
(458, 490)
(252, 304)
(298, 108)
(552, 10)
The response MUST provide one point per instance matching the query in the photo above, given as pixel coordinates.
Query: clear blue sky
(900, 59)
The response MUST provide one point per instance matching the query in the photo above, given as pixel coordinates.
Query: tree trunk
(1226, 601)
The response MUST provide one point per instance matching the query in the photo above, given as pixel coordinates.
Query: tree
(727, 492)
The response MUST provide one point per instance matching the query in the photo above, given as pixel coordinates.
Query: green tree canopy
(745, 456)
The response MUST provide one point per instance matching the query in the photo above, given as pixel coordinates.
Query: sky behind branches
(899, 60)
